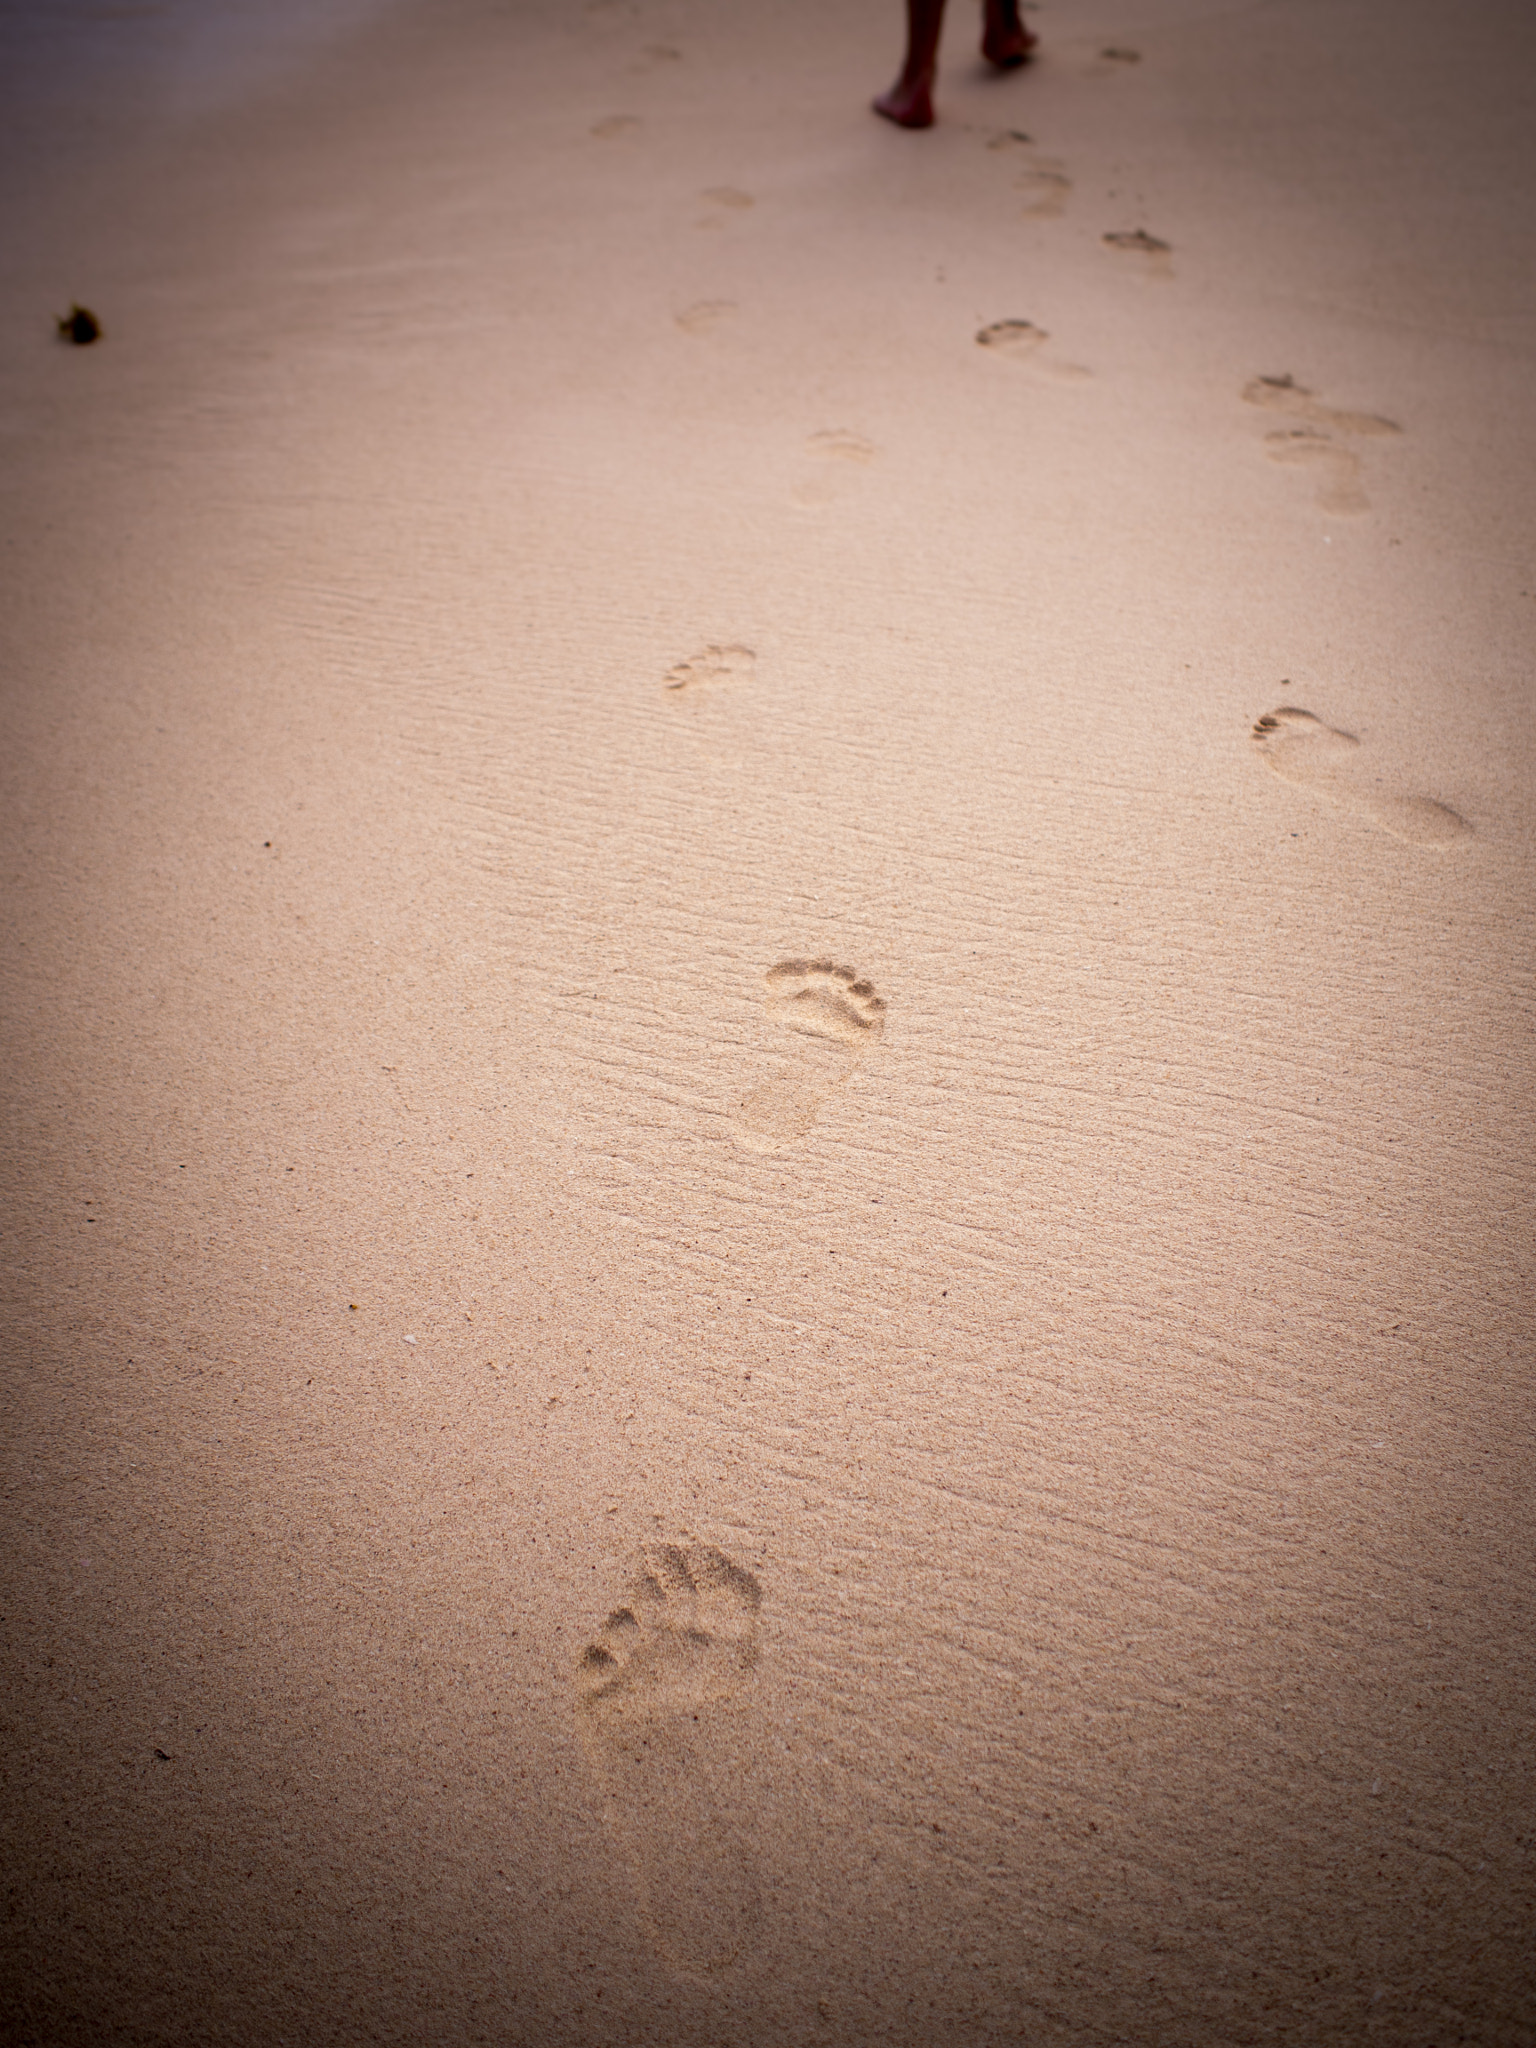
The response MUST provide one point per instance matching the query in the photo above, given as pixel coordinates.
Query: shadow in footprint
(837, 1017)
(1302, 749)
(656, 1697)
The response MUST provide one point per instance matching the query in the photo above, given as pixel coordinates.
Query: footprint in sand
(1314, 444)
(726, 199)
(1337, 469)
(837, 452)
(1156, 256)
(657, 1700)
(705, 316)
(1284, 394)
(837, 1017)
(712, 664)
(1021, 341)
(1043, 179)
(655, 54)
(1301, 749)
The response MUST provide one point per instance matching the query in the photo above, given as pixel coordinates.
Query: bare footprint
(712, 664)
(1043, 179)
(839, 1017)
(1156, 256)
(1046, 187)
(656, 1697)
(1021, 341)
(1315, 444)
(726, 199)
(1337, 468)
(1284, 394)
(841, 444)
(837, 450)
(705, 316)
(655, 54)
(1301, 749)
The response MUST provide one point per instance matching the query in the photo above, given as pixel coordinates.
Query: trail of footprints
(659, 1687)
(657, 1696)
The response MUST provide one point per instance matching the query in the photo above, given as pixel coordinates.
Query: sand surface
(768, 947)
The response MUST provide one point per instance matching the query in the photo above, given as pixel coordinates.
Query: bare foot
(1005, 41)
(909, 103)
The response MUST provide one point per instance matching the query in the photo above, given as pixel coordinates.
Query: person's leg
(1004, 37)
(1005, 41)
(909, 103)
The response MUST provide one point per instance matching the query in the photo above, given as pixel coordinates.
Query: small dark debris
(1121, 56)
(80, 326)
(1139, 239)
(162, 1756)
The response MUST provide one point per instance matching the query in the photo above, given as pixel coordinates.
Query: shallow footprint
(839, 1017)
(725, 197)
(836, 450)
(655, 1697)
(712, 664)
(1301, 749)
(1021, 341)
(1043, 179)
(1046, 187)
(1156, 255)
(705, 316)
(1284, 394)
(1337, 468)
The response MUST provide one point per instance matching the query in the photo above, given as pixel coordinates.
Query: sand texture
(769, 897)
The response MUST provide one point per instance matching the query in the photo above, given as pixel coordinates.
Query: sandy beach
(769, 895)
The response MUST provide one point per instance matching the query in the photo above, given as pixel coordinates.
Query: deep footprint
(838, 1017)
(655, 1696)
(1301, 749)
